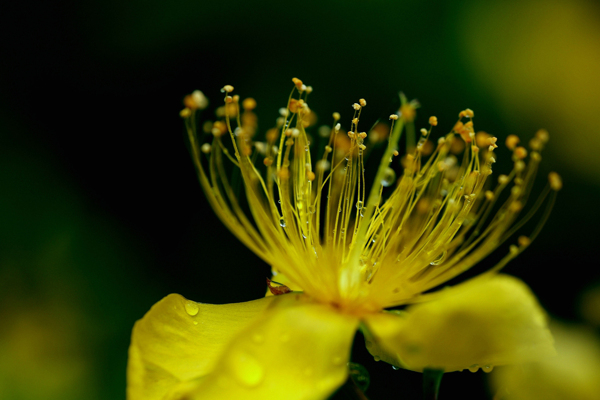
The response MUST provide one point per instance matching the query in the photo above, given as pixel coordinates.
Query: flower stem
(431, 383)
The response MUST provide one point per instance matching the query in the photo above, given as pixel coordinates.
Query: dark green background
(101, 214)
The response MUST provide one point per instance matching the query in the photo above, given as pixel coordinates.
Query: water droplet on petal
(282, 222)
(376, 358)
(488, 368)
(195, 322)
(395, 368)
(474, 368)
(191, 308)
(247, 370)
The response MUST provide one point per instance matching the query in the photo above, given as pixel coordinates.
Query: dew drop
(488, 368)
(389, 177)
(191, 308)
(474, 368)
(359, 205)
(439, 259)
(247, 370)
(376, 358)
(282, 222)
(395, 368)
(195, 322)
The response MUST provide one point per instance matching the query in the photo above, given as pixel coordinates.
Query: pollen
(350, 224)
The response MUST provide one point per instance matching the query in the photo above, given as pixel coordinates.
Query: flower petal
(573, 374)
(179, 339)
(298, 350)
(481, 323)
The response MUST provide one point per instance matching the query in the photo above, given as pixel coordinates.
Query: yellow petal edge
(294, 349)
(484, 322)
(178, 340)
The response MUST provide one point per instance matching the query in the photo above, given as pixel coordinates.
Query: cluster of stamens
(336, 238)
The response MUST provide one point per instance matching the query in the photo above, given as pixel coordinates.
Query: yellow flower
(348, 252)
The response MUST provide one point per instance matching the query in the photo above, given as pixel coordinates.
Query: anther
(519, 166)
(395, 153)
(328, 149)
(523, 241)
(185, 113)
(355, 121)
(356, 106)
(517, 205)
(555, 181)
(200, 101)
(520, 152)
(433, 121)
(489, 195)
(362, 147)
(394, 117)
(363, 102)
(205, 148)
(249, 104)
(268, 161)
(469, 113)
(298, 83)
(337, 127)
(363, 135)
(535, 144)
(336, 116)
(310, 175)
(309, 89)
(542, 135)
(502, 179)
(512, 141)
(423, 131)
(228, 88)
(228, 99)
(303, 88)
(295, 132)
